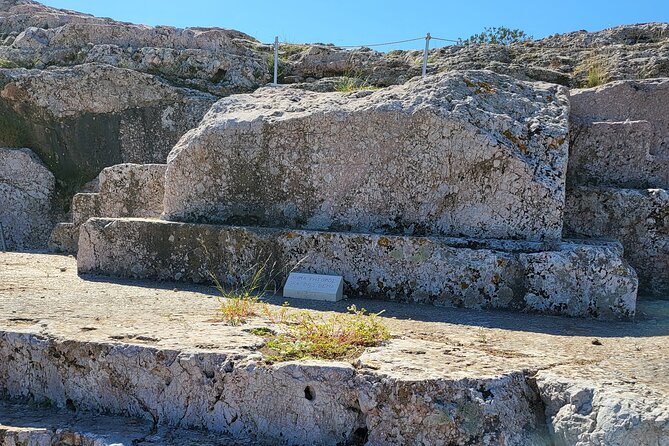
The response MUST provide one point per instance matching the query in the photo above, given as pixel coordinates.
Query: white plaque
(314, 287)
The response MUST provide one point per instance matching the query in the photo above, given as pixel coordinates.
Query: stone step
(638, 218)
(124, 190)
(558, 278)
(28, 423)
(298, 403)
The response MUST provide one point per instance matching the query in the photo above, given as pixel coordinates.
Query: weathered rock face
(125, 190)
(26, 191)
(233, 394)
(583, 413)
(473, 153)
(132, 190)
(639, 218)
(620, 135)
(619, 173)
(220, 61)
(560, 278)
(80, 120)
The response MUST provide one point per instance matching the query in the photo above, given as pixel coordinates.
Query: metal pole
(276, 60)
(427, 48)
(3, 245)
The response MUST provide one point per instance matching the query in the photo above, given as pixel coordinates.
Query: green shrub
(497, 36)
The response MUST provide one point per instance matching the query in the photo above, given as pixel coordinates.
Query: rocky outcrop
(624, 52)
(221, 61)
(26, 192)
(562, 278)
(80, 120)
(468, 153)
(619, 173)
(125, 190)
(582, 413)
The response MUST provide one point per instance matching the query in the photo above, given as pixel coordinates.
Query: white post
(427, 48)
(276, 60)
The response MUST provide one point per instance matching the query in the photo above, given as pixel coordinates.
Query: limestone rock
(558, 278)
(132, 190)
(82, 119)
(584, 413)
(305, 402)
(64, 238)
(124, 190)
(620, 135)
(221, 61)
(616, 154)
(26, 193)
(473, 153)
(639, 218)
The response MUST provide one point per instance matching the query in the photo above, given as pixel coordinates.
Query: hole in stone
(69, 404)
(309, 393)
(359, 436)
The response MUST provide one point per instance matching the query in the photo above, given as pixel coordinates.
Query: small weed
(481, 336)
(348, 84)
(5, 63)
(595, 70)
(336, 337)
(289, 49)
(261, 331)
(240, 303)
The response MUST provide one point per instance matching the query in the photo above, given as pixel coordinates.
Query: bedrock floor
(42, 295)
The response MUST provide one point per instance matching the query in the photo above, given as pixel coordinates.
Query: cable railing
(426, 50)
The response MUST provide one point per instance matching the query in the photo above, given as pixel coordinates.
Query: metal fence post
(3, 244)
(427, 49)
(276, 60)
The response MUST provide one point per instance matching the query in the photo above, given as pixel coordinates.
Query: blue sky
(351, 22)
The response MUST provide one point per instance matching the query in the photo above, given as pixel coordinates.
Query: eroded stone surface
(225, 61)
(222, 61)
(26, 192)
(32, 425)
(639, 218)
(616, 153)
(470, 153)
(583, 412)
(561, 278)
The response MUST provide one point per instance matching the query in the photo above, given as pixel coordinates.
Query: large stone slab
(557, 278)
(614, 150)
(639, 218)
(616, 153)
(26, 192)
(463, 153)
(82, 119)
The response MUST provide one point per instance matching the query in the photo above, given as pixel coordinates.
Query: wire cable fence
(426, 50)
(575, 46)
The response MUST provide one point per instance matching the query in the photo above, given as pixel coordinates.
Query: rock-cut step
(587, 279)
(30, 424)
